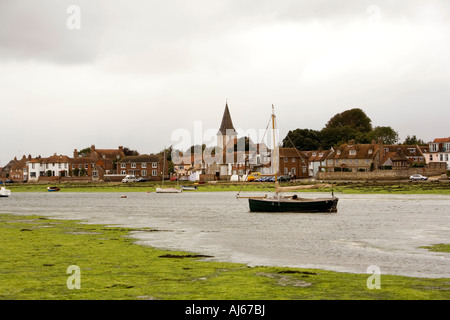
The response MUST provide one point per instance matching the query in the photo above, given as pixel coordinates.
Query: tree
(303, 139)
(333, 137)
(128, 152)
(386, 134)
(84, 152)
(413, 141)
(353, 118)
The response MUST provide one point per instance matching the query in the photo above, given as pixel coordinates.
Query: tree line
(351, 124)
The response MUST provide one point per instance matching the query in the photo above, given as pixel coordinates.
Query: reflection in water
(382, 230)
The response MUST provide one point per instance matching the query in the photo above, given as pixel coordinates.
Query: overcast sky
(137, 70)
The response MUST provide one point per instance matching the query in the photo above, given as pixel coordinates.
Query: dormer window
(370, 151)
(338, 152)
(352, 152)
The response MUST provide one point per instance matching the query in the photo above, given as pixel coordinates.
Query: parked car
(129, 178)
(416, 177)
(142, 179)
(284, 178)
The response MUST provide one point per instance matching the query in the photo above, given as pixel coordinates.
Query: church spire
(227, 123)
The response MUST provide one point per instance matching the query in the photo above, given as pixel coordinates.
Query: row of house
(96, 165)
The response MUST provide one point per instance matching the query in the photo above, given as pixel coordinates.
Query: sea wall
(379, 174)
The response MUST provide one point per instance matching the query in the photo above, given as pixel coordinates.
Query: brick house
(18, 172)
(145, 166)
(293, 163)
(97, 163)
(398, 157)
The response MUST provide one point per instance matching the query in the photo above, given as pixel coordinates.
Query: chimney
(92, 148)
(75, 153)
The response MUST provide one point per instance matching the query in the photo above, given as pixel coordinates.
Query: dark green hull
(291, 205)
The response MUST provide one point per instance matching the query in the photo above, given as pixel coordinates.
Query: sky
(115, 73)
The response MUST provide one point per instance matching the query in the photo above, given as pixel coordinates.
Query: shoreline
(38, 251)
(347, 187)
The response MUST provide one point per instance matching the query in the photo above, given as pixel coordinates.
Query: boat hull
(290, 205)
(168, 190)
(4, 193)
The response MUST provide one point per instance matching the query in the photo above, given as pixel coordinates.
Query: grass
(339, 187)
(440, 247)
(37, 251)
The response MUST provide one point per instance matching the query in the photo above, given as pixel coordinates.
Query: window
(144, 173)
(293, 159)
(155, 165)
(293, 171)
(285, 170)
(446, 157)
(86, 166)
(370, 151)
(59, 165)
(123, 165)
(144, 165)
(154, 173)
(285, 159)
(123, 172)
(431, 157)
(133, 165)
(94, 173)
(441, 157)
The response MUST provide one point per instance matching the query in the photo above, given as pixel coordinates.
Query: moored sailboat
(290, 203)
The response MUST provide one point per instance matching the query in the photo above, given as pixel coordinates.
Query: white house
(438, 151)
(54, 166)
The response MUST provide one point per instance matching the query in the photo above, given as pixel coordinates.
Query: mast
(164, 166)
(275, 151)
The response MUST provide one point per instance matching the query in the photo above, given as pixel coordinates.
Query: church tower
(227, 135)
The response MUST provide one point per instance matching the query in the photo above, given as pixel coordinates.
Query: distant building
(293, 163)
(352, 157)
(53, 166)
(97, 163)
(438, 151)
(18, 172)
(145, 166)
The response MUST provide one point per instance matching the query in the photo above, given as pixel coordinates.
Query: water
(381, 230)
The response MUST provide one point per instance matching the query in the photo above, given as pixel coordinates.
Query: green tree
(128, 152)
(353, 118)
(413, 141)
(84, 152)
(303, 139)
(333, 137)
(385, 134)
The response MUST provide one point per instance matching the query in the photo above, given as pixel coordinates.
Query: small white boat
(4, 192)
(189, 188)
(168, 190)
